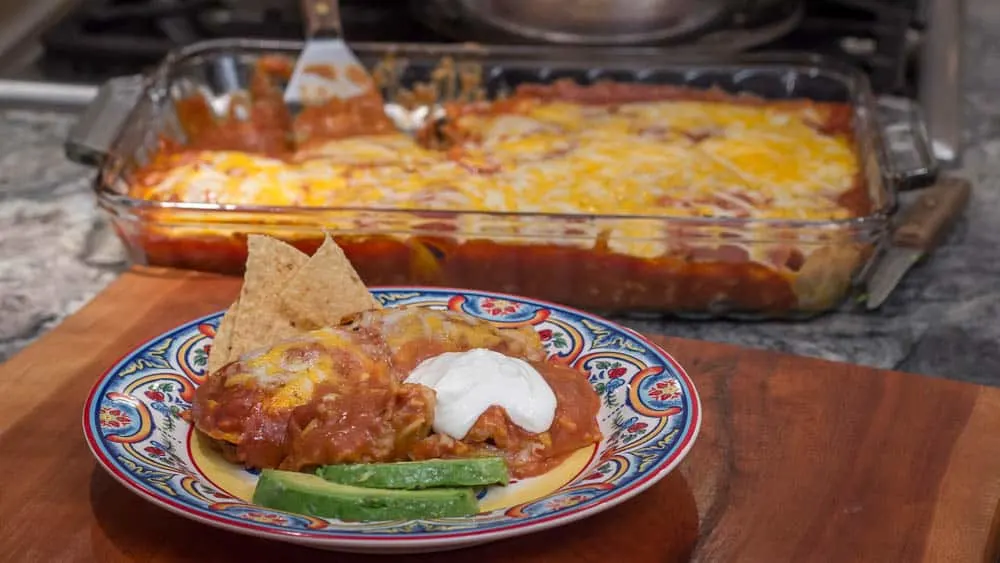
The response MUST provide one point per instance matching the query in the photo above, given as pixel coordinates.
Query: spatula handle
(322, 18)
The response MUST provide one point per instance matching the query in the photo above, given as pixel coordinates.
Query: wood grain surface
(798, 460)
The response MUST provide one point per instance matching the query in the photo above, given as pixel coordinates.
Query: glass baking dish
(559, 257)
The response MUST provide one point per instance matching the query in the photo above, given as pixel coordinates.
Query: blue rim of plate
(679, 421)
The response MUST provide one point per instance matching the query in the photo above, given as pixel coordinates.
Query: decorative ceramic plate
(650, 416)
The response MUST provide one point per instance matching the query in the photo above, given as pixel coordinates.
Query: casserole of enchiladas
(613, 195)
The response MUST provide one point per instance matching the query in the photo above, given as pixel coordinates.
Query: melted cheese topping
(669, 158)
(293, 381)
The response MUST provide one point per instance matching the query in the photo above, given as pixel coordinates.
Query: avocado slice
(311, 495)
(427, 474)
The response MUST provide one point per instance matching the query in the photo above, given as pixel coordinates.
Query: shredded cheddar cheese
(664, 158)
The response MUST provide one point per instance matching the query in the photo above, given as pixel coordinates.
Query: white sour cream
(468, 383)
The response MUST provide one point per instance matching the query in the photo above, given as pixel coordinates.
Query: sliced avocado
(420, 474)
(311, 495)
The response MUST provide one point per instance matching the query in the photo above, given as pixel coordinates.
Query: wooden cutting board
(798, 460)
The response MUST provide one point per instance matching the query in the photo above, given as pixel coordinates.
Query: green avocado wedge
(413, 475)
(312, 495)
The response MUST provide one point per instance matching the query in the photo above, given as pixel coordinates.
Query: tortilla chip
(325, 290)
(223, 341)
(270, 265)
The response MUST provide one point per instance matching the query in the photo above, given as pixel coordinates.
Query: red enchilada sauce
(261, 122)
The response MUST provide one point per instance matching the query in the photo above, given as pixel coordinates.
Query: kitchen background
(56, 251)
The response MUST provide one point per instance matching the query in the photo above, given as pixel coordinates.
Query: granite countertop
(56, 252)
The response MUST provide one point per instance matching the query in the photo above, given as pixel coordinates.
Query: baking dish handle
(907, 144)
(91, 137)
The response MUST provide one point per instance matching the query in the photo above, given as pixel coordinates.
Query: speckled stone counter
(944, 320)
(55, 250)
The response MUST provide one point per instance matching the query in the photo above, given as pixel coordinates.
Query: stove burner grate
(104, 38)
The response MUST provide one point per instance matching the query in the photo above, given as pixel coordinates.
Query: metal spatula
(326, 67)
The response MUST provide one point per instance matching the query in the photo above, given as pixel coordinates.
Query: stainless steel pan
(610, 21)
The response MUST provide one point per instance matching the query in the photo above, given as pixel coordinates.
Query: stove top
(104, 38)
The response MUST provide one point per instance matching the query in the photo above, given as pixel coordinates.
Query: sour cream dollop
(468, 383)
